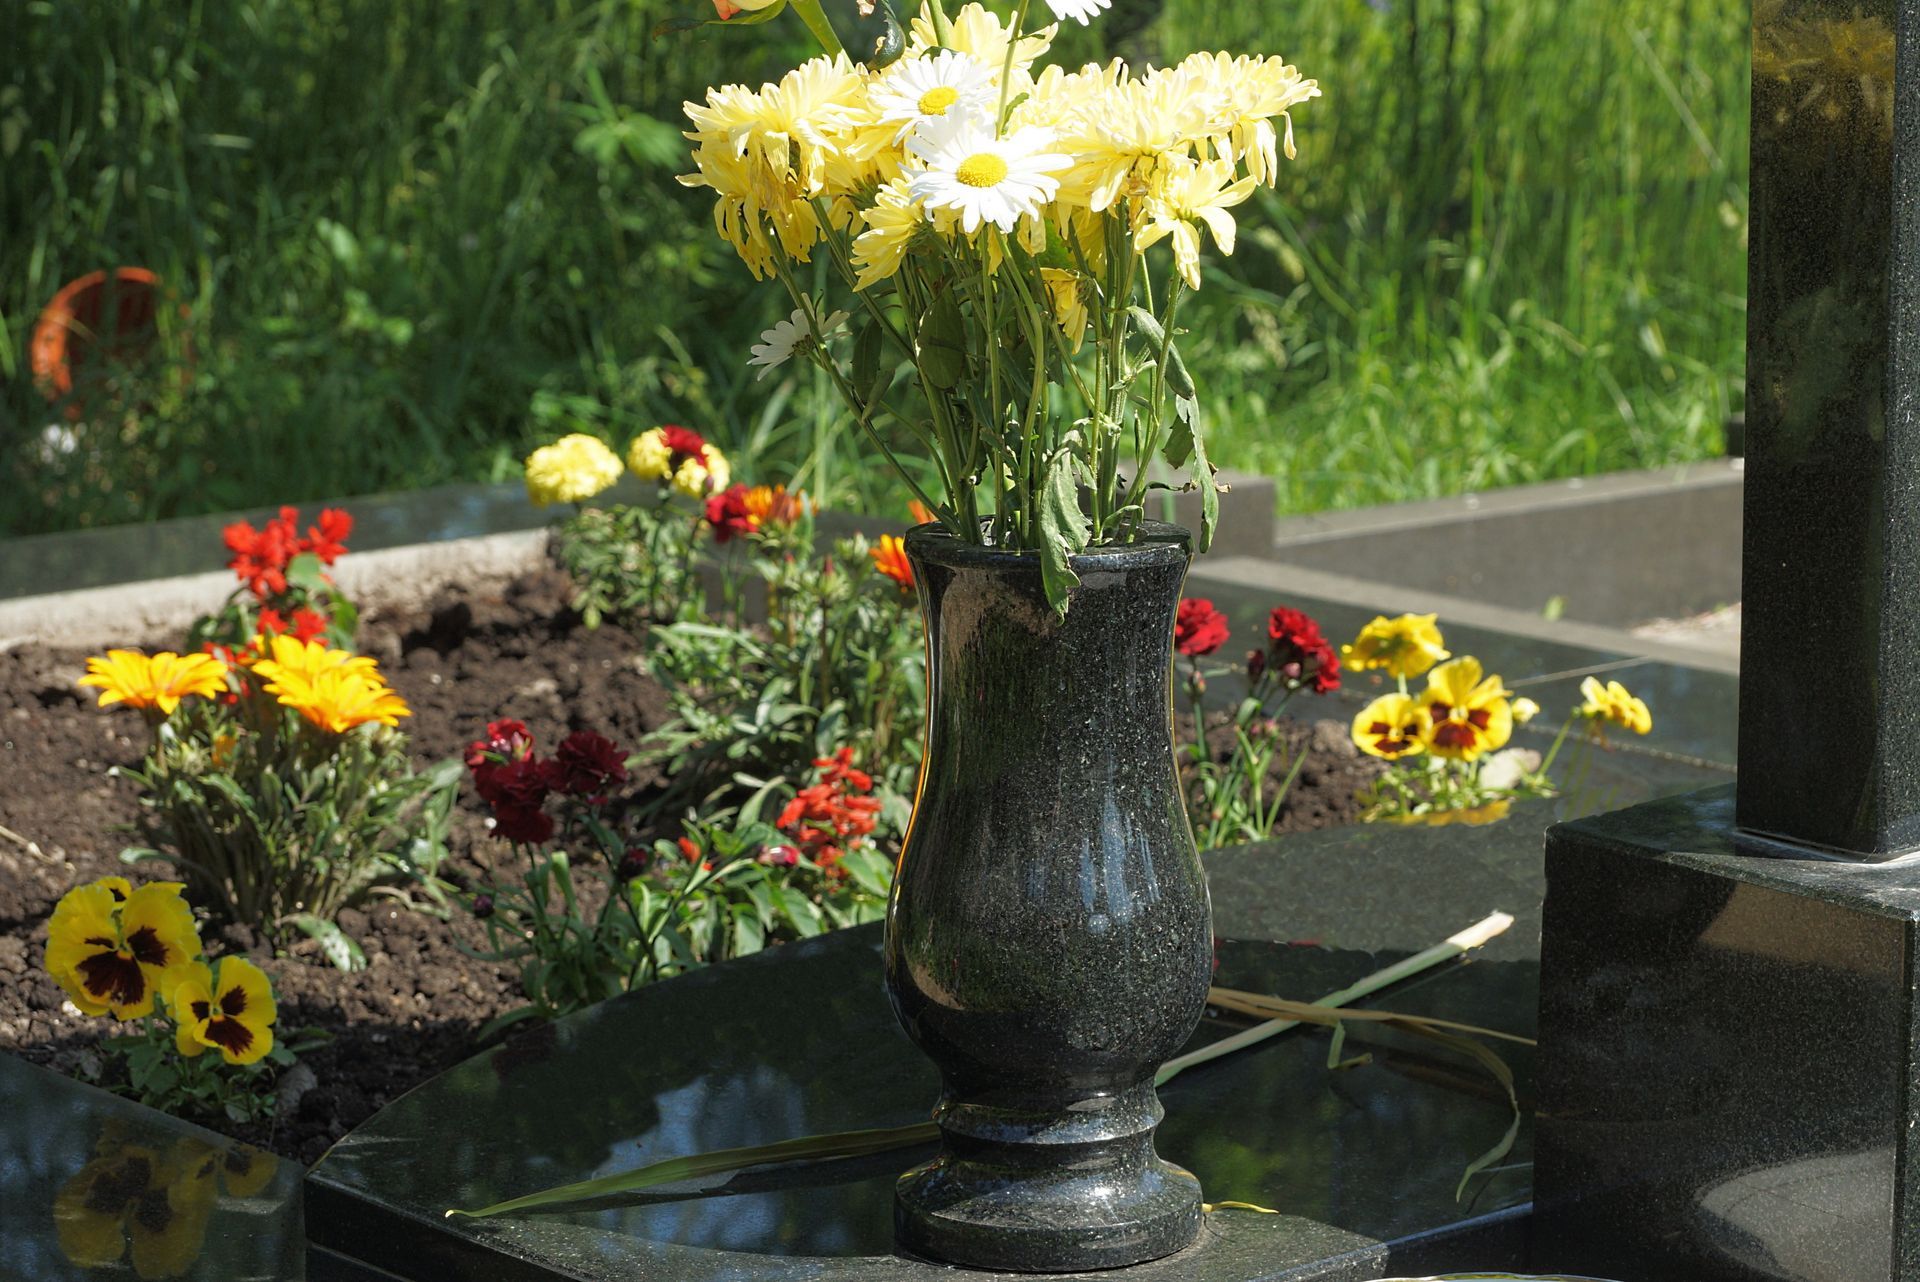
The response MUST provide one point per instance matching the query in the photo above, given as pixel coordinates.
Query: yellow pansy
(1613, 702)
(230, 1010)
(112, 948)
(571, 470)
(158, 682)
(1392, 726)
(1405, 646)
(1524, 710)
(1468, 715)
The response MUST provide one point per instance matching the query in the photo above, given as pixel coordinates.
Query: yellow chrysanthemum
(230, 1010)
(1069, 303)
(158, 682)
(1184, 194)
(112, 949)
(890, 224)
(982, 35)
(339, 700)
(1613, 702)
(571, 470)
(1468, 716)
(1391, 727)
(1405, 646)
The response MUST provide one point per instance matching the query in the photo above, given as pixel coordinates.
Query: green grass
(408, 246)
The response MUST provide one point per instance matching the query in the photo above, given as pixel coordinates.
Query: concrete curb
(130, 613)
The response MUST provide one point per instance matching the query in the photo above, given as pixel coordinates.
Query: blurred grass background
(407, 240)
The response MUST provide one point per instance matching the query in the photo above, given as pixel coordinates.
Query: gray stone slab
(1613, 550)
(1728, 1056)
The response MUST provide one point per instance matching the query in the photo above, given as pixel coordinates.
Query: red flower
(270, 624)
(682, 443)
(587, 765)
(1301, 653)
(1198, 628)
(308, 624)
(527, 825)
(634, 863)
(328, 539)
(691, 849)
(506, 741)
(728, 515)
(260, 556)
(824, 819)
(516, 793)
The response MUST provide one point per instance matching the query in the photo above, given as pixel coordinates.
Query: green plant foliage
(280, 826)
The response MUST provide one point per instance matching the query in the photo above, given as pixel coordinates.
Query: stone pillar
(1830, 700)
(1729, 1084)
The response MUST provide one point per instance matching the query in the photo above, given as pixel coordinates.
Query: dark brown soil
(460, 660)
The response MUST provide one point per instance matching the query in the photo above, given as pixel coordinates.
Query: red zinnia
(728, 515)
(1198, 628)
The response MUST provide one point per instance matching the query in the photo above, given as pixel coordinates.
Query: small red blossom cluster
(261, 557)
(1198, 628)
(515, 783)
(830, 816)
(682, 443)
(1297, 652)
(729, 516)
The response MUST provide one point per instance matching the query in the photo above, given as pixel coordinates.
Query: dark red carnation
(528, 827)
(1300, 651)
(728, 515)
(587, 765)
(1198, 628)
(633, 864)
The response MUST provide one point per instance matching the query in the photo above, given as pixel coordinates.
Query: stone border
(1616, 550)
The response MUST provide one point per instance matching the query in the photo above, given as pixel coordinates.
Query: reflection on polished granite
(812, 1047)
(1729, 1057)
(96, 1187)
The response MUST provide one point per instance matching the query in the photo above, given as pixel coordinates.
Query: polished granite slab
(96, 1187)
(1730, 1055)
(1360, 1159)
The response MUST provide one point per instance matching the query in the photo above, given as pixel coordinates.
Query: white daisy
(963, 167)
(949, 83)
(1080, 9)
(777, 345)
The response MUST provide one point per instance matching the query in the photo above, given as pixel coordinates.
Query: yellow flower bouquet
(1017, 236)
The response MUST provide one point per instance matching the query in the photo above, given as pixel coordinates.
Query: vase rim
(1159, 544)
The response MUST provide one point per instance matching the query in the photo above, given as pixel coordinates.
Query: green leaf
(1064, 529)
(305, 571)
(943, 342)
(869, 382)
(335, 944)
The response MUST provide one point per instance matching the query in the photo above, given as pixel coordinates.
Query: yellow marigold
(571, 470)
(1468, 715)
(1392, 726)
(159, 682)
(337, 700)
(698, 477)
(112, 947)
(1613, 702)
(1405, 647)
(649, 457)
(230, 1010)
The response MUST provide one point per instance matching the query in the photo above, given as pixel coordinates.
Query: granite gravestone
(1728, 982)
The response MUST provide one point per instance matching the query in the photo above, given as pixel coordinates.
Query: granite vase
(1049, 938)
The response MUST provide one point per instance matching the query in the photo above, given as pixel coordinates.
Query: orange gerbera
(890, 558)
(772, 505)
(921, 513)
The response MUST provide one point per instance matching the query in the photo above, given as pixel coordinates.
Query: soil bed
(460, 660)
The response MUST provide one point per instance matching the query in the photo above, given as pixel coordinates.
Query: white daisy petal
(777, 345)
(949, 83)
(965, 168)
(1080, 10)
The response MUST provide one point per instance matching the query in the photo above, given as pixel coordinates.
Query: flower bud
(483, 906)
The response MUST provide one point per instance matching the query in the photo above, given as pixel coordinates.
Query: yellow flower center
(982, 170)
(935, 101)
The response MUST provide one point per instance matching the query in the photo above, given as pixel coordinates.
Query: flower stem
(816, 20)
